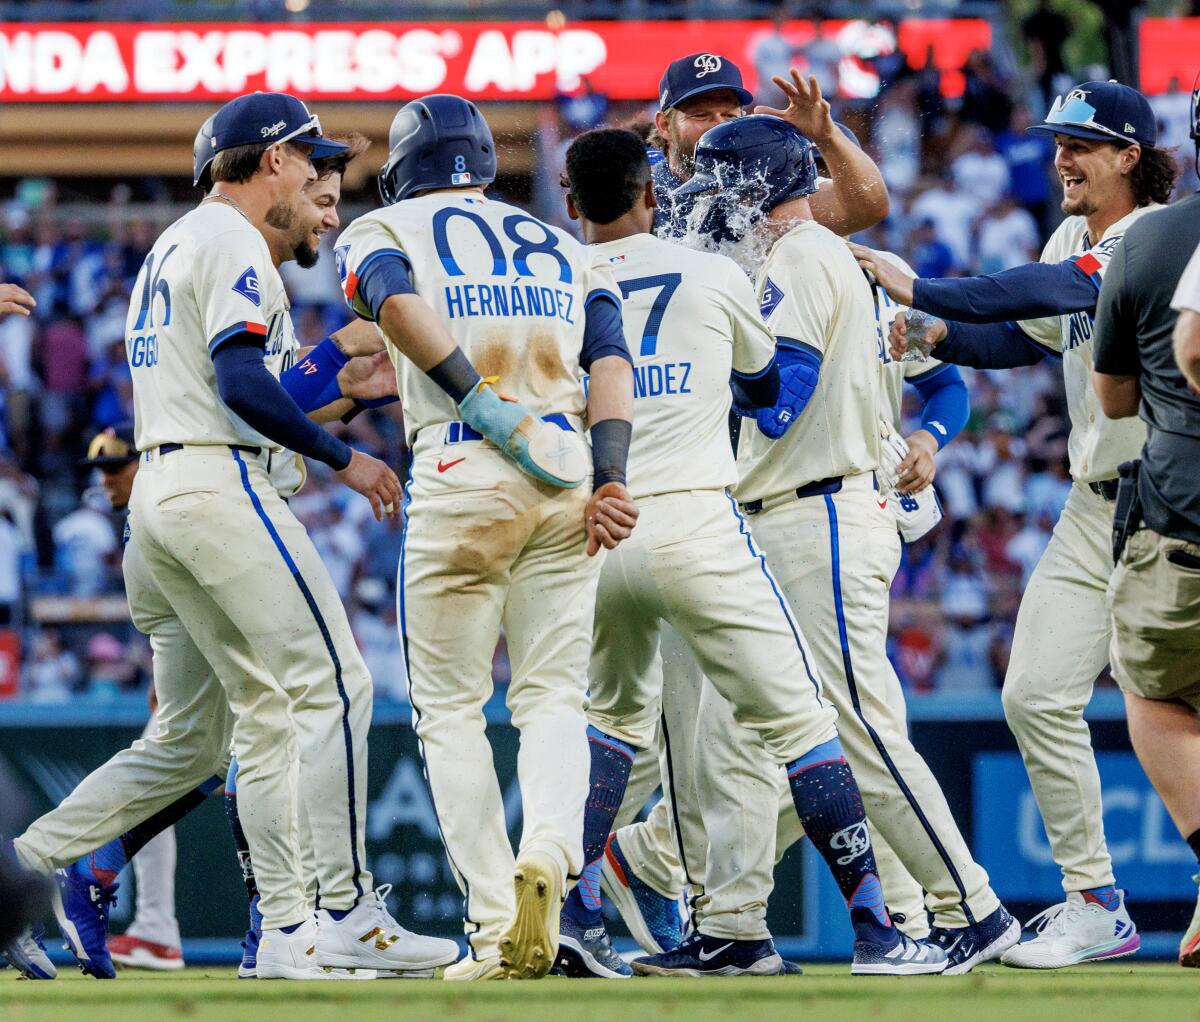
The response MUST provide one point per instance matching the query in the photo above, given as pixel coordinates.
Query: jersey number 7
(666, 284)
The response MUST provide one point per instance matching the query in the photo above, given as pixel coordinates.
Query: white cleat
(369, 938)
(290, 956)
(1073, 932)
(470, 970)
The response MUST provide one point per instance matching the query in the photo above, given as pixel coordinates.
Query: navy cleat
(27, 954)
(586, 952)
(791, 969)
(654, 921)
(702, 955)
(886, 951)
(82, 912)
(248, 968)
(970, 946)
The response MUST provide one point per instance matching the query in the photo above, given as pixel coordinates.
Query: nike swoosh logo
(449, 464)
(881, 503)
(713, 954)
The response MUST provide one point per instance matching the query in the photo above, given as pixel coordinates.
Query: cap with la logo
(1102, 112)
(697, 73)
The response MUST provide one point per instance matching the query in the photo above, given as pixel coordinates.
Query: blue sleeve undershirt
(603, 333)
(251, 392)
(946, 406)
(382, 275)
(990, 346)
(1024, 292)
(757, 390)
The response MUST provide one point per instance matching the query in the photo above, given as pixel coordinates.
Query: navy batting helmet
(437, 142)
(266, 118)
(748, 166)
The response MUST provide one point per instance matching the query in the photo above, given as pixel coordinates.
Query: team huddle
(680, 611)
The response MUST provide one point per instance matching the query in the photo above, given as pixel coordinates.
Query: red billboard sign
(1170, 48)
(110, 62)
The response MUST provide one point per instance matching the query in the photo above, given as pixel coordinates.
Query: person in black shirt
(1154, 594)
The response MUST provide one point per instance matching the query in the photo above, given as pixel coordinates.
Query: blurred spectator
(1029, 157)
(985, 101)
(1028, 545)
(109, 669)
(898, 138)
(931, 257)
(953, 213)
(11, 546)
(979, 171)
(1046, 31)
(85, 540)
(53, 673)
(1008, 237)
(774, 54)
(1173, 112)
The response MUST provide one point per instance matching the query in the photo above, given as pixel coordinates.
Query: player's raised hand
(918, 468)
(610, 517)
(895, 281)
(16, 299)
(807, 110)
(368, 377)
(935, 333)
(375, 481)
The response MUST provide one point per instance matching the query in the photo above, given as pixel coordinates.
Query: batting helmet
(266, 118)
(437, 142)
(758, 162)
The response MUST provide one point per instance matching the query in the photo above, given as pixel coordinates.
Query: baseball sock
(612, 759)
(1193, 840)
(831, 809)
(1105, 896)
(107, 861)
(240, 845)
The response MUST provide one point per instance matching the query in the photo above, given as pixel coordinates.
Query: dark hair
(1153, 176)
(606, 172)
(237, 164)
(328, 165)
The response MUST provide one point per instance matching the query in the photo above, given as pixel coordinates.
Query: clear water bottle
(916, 323)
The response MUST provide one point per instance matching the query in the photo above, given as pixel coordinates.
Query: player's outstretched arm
(856, 197)
(611, 514)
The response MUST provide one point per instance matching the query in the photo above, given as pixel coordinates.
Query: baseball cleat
(1073, 932)
(470, 970)
(586, 951)
(82, 908)
(292, 956)
(887, 951)
(1189, 947)
(144, 954)
(529, 944)
(367, 937)
(985, 941)
(541, 449)
(248, 964)
(653, 921)
(27, 954)
(791, 969)
(702, 955)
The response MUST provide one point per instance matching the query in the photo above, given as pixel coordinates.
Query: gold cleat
(469, 969)
(529, 944)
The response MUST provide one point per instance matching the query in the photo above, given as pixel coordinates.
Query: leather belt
(818, 488)
(1106, 488)
(459, 432)
(244, 448)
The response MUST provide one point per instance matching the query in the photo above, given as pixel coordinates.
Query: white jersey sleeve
(360, 244)
(227, 282)
(753, 343)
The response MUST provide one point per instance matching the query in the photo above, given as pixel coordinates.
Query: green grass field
(826, 993)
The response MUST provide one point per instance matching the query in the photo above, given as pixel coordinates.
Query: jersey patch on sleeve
(1088, 263)
(247, 286)
(771, 297)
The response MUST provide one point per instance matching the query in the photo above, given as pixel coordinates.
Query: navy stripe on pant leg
(402, 617)
(835, 548)
(347, 736)
(670, 779)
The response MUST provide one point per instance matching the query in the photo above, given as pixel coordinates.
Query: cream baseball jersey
(1097, 444)
(208, 278)
(893, 373)
(812, 293)
(511, 290)
(690, 318)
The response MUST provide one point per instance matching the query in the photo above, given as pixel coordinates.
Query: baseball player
(831, 541)
(1112, 174)
(692, 329)
(284, 650)
(484, 544)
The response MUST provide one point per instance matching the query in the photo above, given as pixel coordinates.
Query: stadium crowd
(970, 192)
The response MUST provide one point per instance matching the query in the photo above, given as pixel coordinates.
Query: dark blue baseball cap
(1102, 112)
(700, 72)
(260, 117)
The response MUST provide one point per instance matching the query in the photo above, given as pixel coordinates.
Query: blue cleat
(970, 946)
(248, 968)
(82, 911)
(545, 451)
(586, 952)
(886, 951)
(702, 955)
(654, 921)
(26, 953)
